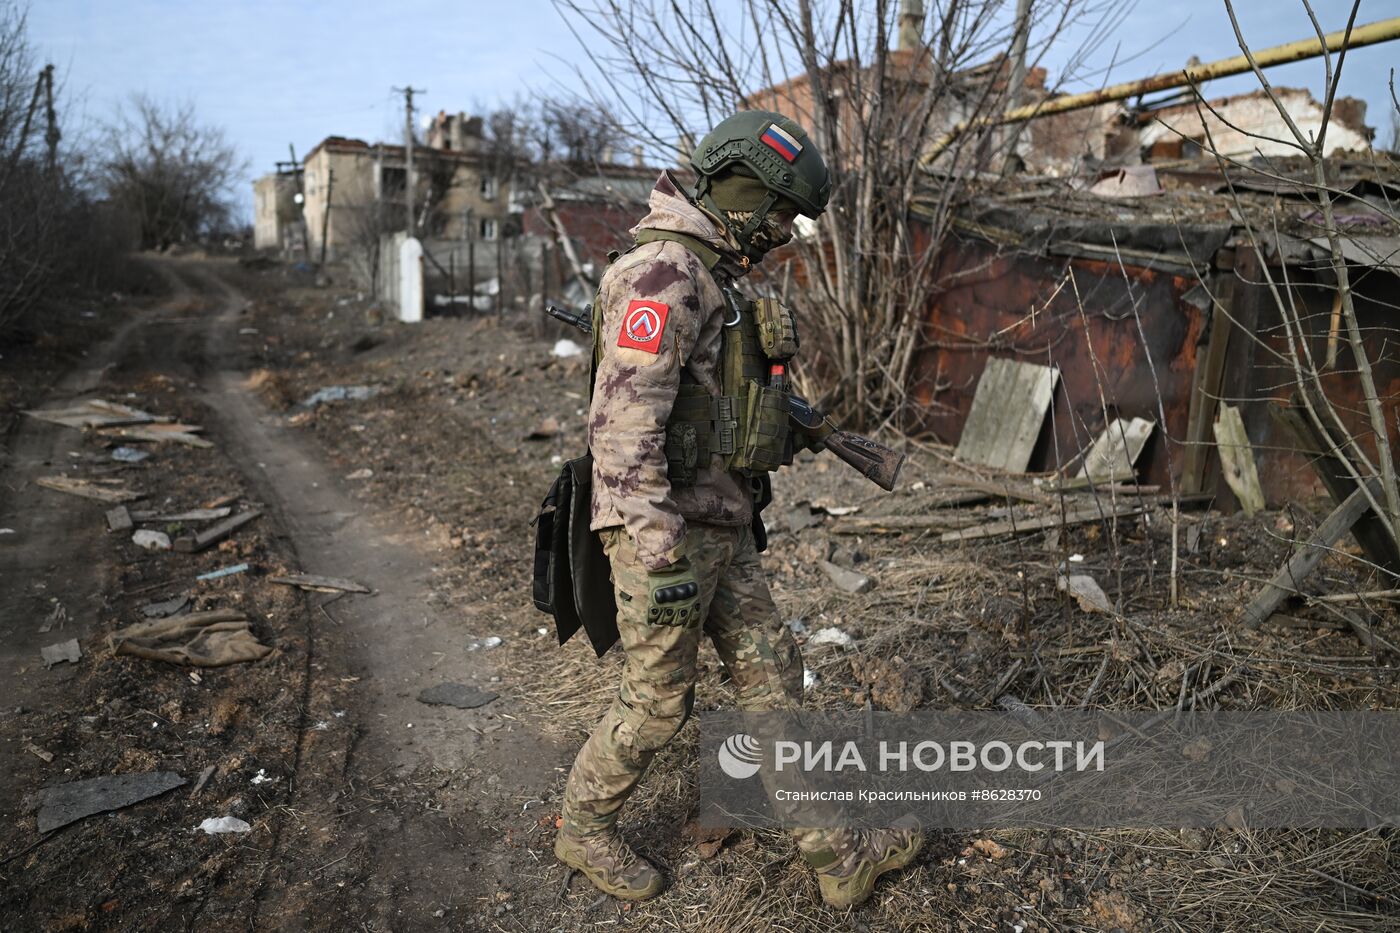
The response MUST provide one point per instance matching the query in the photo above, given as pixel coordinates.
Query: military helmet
(775, 149)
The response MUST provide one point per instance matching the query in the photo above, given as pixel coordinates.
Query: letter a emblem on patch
(642, 326)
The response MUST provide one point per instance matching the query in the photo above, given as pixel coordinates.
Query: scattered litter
(542, 630)
(839, 510)
(800, 516)
(60, 652)
(203, 639)
(492, 641)
(189, 544)
(204, 777)
(191, 515)
(1086, 592)
(118, 519)
(850, 581)
(566, 348)
(262, 778)
(93, 413)
(65, 803)
(225, 824)
(809, 679)
(38, 752)
(130, 454)
(362, 473)
(339, 394)
(458, 695)
(309, 581)
(7, 531)
(546, 429)
(797, 626)
(1076, 558)
(831, 636)
(174, 432)
(57, 617)
(556, 460)
(110, 491)
(169, 607)
(151, 540)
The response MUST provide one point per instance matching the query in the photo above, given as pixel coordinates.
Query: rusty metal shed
(1161, 306)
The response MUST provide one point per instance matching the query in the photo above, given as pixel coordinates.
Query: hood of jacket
(671, 210)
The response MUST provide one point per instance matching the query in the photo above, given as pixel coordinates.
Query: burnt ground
(371, 810)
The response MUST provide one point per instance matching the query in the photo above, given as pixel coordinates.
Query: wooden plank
(1237, 460)
(310, 581)
(179, 433)
(1253, 312)
(1078, 516)
(1205, 386)
(1376, 543)
(898, 524)
(998, 490)
(191, 543)
(1116, 450)
(1286, 582)
(88, 489)
(1007, 413)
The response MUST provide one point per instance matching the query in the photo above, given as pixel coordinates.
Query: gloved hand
(674, 595)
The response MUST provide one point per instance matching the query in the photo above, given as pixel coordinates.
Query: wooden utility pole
(52, 136)
(409, 181)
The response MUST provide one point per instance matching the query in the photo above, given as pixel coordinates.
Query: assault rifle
(870, 459)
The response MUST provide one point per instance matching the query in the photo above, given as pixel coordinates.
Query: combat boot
(847, 878)
(609, 863)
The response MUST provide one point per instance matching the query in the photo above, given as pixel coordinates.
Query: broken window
(393, 181)
(488, 228)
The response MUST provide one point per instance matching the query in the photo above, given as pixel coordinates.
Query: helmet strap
(756, 221)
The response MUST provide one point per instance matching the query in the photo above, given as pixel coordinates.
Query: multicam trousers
(658, 677)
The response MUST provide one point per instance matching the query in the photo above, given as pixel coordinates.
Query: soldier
(687, 417)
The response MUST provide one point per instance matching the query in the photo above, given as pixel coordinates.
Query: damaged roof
(1192, 211)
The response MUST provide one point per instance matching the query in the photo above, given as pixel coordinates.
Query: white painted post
(411, 280)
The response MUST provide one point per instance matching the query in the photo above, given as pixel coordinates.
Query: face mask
(769, 236)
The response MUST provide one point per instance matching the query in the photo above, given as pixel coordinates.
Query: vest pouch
(682, 454)
(777, 330)
(765, 430)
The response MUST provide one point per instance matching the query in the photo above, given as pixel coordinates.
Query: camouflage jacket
(661, 313)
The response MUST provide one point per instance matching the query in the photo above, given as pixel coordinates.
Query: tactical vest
(747, 424)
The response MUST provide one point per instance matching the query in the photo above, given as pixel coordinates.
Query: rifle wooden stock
(873, 460)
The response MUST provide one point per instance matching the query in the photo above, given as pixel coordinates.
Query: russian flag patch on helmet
(781, 142)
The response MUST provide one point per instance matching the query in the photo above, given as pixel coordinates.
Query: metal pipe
(1370, 34)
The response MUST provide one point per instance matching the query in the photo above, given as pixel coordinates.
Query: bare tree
(53, 237)
(172, 172)
(862, 274)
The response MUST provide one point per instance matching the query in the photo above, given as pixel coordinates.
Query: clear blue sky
(274, 72)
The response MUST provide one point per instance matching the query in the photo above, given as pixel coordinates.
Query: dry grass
(984, 620)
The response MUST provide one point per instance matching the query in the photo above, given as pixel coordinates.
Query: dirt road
(359, 832)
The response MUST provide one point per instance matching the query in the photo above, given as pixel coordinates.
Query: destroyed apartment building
(493, 227)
